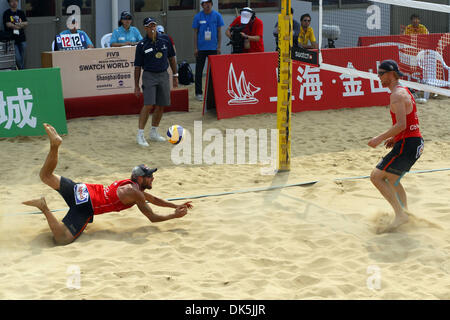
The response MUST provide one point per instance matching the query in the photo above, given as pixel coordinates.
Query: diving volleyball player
(87, 200)
(403, 137)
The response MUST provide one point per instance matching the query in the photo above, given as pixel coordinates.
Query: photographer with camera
(246, 32)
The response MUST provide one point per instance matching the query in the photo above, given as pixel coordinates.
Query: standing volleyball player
(403, 137)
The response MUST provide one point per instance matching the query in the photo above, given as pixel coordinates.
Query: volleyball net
(415, 32)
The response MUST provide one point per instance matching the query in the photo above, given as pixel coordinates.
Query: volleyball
(175, 134)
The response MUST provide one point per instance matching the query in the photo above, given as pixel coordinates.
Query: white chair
(105, 40)
(427, 60)
(53, 45)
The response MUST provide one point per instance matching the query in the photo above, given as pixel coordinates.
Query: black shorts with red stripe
(80, 207)
(402, 156)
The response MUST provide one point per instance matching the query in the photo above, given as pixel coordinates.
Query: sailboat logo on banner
(240, 91)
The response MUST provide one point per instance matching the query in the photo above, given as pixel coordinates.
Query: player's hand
(137, 91)
(389, 143)
(180, 211)
(188, 205)
(374, 142)
(175, 82)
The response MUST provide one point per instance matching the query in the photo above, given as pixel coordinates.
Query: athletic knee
(45, 177)
(63, 240)
(373, 176)
(376, 176)
(50, 179)
(148, 108)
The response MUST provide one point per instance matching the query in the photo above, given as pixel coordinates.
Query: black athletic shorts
(402, 156)
(77, 198)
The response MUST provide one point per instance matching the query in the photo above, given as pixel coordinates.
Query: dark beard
(147, 187)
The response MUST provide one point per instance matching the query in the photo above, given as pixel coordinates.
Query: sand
(317, 241)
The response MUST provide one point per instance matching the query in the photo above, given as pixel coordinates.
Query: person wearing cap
(306, 38)
(160, 30)
(125, 34)
(207, 25)
(153, 54)
(403, 137)
(252, 32)
(415, 27)
(87, 200)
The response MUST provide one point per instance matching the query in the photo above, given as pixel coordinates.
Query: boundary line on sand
(300, 184)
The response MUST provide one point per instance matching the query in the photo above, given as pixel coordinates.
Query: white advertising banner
(96, 72)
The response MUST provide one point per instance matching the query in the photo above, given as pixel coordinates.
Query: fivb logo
(213, 153)
(17, 109)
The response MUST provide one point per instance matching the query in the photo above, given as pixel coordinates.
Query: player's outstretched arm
(163, 203)
(180, 211)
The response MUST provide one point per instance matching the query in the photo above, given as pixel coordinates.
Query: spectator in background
(207, 40)
(73, 27)
(15, 21)
(415, 27)
(252, 32)
(125, 34)
(307, 33)
(296, 27)
(160, 30)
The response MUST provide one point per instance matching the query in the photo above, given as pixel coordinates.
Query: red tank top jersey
(105, 199)
(412, 122)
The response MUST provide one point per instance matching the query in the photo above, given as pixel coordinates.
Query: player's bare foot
(55, 139)
(40, 203)
(398, 221)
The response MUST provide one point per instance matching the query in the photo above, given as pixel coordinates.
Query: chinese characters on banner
(26, 102)
(312, 88)
(310, 84)
(17, 109)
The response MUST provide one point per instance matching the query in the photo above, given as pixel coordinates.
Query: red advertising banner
(410, 46)
(241, 84)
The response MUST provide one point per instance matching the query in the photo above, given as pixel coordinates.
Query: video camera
(332, 33)
(236, 40)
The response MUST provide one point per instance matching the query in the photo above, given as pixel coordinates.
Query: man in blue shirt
(125, 34)
(207, 40)
(72, 28)
(153, 54)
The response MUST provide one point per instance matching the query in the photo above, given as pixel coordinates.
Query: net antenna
(421, 59)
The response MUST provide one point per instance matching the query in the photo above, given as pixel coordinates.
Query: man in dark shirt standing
(153, 54)
(15, 21)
